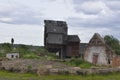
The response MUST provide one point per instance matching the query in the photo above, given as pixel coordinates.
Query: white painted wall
(12, 55)
(100, 50)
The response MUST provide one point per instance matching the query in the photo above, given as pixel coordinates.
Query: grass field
(17, 76)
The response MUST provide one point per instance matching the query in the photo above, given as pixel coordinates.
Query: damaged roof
(73, 38)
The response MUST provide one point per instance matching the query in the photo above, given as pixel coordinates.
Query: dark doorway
(109, 60)
(12, 56)
(95, 59)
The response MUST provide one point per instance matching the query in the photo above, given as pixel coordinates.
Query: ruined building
(56, 39)
(98, 52)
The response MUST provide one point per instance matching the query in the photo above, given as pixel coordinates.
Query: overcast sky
(23, 19)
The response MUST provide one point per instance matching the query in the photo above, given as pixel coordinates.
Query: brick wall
(116, 61)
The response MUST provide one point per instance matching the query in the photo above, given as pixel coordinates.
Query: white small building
(98, 52)
(12, 55)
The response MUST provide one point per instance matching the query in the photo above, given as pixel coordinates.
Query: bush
(117, 51)
(2, 55)
(79, 63)
(31, 56)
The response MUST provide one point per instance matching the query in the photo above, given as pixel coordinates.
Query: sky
(23, 20)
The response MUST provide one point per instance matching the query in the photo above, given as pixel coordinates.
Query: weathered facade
(56, 39)
(73, 46)
(12, 55)
(98, 52)
(116, 61)
(55, 32)
(82, 49)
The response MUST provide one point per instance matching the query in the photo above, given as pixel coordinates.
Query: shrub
(79, 63)
(31, 56)
(29, 67)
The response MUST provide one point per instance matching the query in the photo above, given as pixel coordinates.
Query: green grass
(79, 63)
(4, 75)
(30, 56)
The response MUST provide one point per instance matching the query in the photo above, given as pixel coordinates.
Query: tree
(6, 47)
(113, 42)
(23, 49)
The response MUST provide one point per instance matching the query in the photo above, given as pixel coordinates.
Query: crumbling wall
(116, 61)
(44, 67)
(96, 50)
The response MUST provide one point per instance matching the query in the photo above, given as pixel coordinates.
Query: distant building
(56, 39)
(73, 43)
(12, 55)
(98, 52)
(82, 49)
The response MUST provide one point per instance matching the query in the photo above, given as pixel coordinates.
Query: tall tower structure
(55, 36)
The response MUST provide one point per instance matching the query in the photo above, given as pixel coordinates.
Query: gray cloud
(95, 6)
(78, 1)
(101, 12)
(86, 30)
(89, 7)
(84, 18)
(111, 21)
(18, 14)
(102, 17)
(114, 4)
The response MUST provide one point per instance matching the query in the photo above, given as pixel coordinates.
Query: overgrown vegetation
(113, 42)
(4, 75)
(26, 52)
(79, 63)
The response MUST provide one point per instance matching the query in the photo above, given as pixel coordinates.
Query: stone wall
(50, 68)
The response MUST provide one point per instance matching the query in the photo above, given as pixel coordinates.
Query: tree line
(113, 42)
